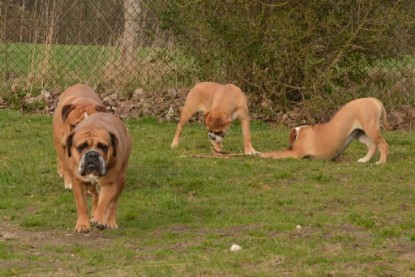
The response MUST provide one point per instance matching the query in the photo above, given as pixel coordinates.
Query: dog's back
(78, 93)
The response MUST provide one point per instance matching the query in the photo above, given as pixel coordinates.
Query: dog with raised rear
(221, 105)
(359, 119)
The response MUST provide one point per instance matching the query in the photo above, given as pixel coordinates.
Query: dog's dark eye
(82, 147)
(103, 147)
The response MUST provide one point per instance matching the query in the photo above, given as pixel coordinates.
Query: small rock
(170, 113)
(235, 248)
(137, 94)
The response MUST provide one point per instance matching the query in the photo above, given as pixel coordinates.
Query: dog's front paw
(362, 160)
(112, 225)
(82, 226)
(67, 180)
(253, 153)
(174, 145)
(101, 225)
(68, 186)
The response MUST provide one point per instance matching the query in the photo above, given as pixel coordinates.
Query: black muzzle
(92, 163)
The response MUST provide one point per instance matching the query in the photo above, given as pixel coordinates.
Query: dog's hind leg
(383, 149)
(62, 166)
(371, 146)
(380, 143)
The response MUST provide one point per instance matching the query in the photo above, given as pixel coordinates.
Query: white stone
(235, 248)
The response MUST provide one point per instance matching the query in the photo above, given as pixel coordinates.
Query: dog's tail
(385, 118)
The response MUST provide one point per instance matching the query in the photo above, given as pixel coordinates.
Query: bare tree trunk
(49, 39)
(129, 43)
(3, 32)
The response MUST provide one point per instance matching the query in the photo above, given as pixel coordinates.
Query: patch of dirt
(50, 252)
(36, 240)
(167, 105)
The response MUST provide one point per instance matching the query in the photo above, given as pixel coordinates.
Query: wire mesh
(120, 46)
(114, 44)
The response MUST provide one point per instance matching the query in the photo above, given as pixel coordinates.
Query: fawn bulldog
(74, 104)
(358, 119)
(98, 150)
(221, 105)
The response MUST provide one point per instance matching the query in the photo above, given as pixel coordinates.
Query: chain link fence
(113, 44)
(119, 46)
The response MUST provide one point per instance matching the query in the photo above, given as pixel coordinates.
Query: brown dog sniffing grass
(221, 105)
(358, 119)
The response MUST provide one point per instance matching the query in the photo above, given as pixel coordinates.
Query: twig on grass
(213, 155)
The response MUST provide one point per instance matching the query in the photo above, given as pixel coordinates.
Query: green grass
(24, 58)
(21, 57)
(180, 213)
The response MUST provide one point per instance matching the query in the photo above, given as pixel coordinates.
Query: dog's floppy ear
(292, 136)
(69, 144)
(66, 110)
(100, 108)
(114, 142)
(223, 121)
(205, 116)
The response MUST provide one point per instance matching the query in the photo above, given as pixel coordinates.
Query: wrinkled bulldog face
(92, 150)
(217, 125)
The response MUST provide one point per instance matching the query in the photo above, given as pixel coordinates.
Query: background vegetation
(286, 51)
(316, 53)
